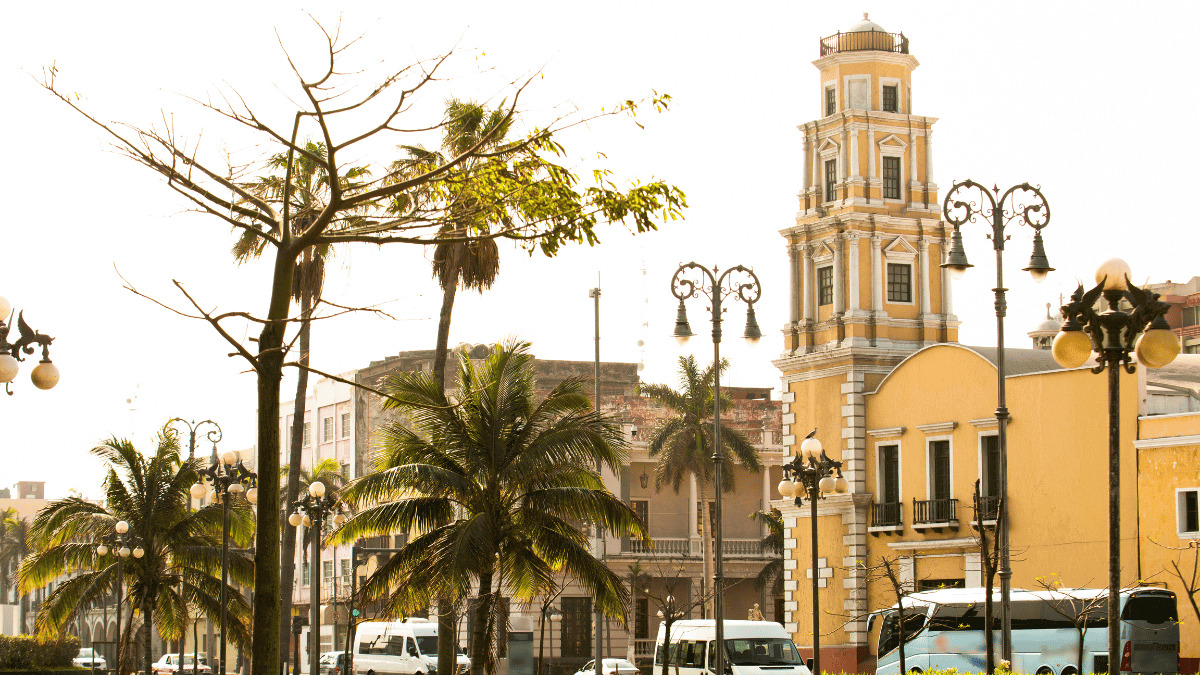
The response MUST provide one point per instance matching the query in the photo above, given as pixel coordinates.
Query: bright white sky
(1057, 94)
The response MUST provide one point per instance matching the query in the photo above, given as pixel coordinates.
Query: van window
(395, 646)
(693, 656)
(412, 648)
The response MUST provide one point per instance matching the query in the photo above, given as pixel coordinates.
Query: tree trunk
(287, 551)
(706, 551)
(148, 628)
(265, 652)
(125, 642)
(449, 290)
(480, 635)
(447, 638)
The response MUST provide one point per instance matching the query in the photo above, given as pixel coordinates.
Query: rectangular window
(577, 627)
(345, 471)
(825, 286)
(889, 462)
(889, 98)
(712, 514)
(641, 620)
(641, 507)
(326, 569)
(1189, 511)
(830, 180)
(939, 470)
(991, 466)
(345, 569)
(899, 282)
(345, 425)
(307, 434)
(327, 430)
(891, 178)
(830, 100)
(304, 574)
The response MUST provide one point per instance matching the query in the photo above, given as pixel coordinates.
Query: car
(88, 658)
(333, 663)
(610, 667)
(170, 664)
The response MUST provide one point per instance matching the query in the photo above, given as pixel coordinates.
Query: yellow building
(872, 361)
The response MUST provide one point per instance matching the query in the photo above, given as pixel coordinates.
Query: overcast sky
(1064, 95)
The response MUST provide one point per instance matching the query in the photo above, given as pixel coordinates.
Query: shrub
(23, 652)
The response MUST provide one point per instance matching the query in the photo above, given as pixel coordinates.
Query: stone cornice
(893, 58)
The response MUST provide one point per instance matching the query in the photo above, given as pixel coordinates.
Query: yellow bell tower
(867, 290)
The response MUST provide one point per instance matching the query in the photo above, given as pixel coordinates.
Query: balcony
(989, 508)
(886, 517)
(935, 514)
(731, 548)
(864, 41)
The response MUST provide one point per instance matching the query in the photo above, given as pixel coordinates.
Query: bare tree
(989, 558)
(1189, 573)
(543, 209)
(1077, 608)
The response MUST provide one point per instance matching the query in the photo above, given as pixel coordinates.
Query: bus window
(1150, 608)
(889, 637)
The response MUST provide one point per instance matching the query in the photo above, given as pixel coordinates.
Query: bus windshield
(889, 634)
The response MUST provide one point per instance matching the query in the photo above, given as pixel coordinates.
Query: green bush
(23, 652)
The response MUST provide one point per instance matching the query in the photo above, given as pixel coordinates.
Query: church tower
(867, 290)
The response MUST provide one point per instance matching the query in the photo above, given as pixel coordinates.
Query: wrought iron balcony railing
(927, 511)
(864, 41)
(887, 514)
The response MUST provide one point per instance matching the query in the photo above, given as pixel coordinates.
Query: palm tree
(181, 563)
(684, 443)
(473, 265)
(772, 543)
(307, 195)
(494, 485)
(14, 533)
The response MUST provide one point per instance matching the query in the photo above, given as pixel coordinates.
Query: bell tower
(866, 291)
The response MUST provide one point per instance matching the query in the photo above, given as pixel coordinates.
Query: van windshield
(762, 652)
(427, 644)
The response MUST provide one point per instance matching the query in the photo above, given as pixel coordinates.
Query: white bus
(944, 629)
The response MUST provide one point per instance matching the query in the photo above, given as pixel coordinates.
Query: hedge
(23, 652)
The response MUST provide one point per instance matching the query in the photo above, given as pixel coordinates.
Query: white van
(407, 647)
(751, 648)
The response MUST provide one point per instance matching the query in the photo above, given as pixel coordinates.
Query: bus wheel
(1045, 670)
(1070, 670)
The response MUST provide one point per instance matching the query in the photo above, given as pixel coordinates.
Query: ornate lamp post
(959, 210)
(120, 541)
(316, 508)
(1114, 335)
(45, 374)
(813, 474)
(221, 481)
(716, 289)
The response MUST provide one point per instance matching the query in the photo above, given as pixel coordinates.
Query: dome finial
(865, 17)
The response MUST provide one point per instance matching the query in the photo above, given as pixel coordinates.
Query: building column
(854, 170)
(924, 248)
(808, 151)
(911, 152)
(839, 267)
(852, 271)
(877, 273)
(794, 304)
(693, 514)
(929, 155)
(810, 285)
(871, 148)
(844, 164)
(947, 285)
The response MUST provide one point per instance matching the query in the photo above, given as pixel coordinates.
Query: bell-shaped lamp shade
(683, 332)
(121, 527)
(123, 551)
(252, 495)
(556, 617)
(295, 519)
(339, 519)
(753, 334)
(8, 367)
(956, 261)
(198, 491)
(236, 488)
(212, 496)
(811, 447)
(841, 485)
(44, 375)
(786, 488)
(1039, 267)
(5, 308)
(1113, 273)
(102, 549)
(660, 614)
(1072, 348)
(827, 485)
(307, 521)
(139, 552)
(316, 489)
(1157, 347)
(228, 457)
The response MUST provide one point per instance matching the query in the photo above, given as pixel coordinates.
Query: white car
(171, 664)
(610, 667)
(88, 658)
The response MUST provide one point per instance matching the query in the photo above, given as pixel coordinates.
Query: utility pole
(597, 618)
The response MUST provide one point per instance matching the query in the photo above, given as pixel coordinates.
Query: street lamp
(1114, 335)
(45, 373)
(120, 541)
(226, 477)
(555, 617)
(813, 474)
(717, 289)
(316, 507)
(1035, 214)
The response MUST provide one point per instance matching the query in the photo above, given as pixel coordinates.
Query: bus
(943, 628)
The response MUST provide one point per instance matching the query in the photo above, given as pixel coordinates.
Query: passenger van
(751, 648)
(407, 647)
